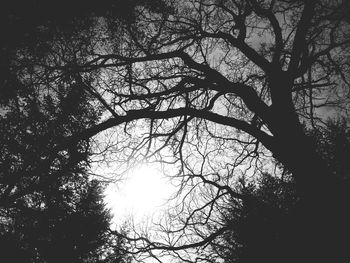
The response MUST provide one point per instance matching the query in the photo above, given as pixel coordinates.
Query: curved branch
(131, 115)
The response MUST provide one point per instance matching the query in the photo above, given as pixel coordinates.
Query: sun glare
(144, 192)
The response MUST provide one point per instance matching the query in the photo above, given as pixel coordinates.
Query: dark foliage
(62, 229)
(50, 211)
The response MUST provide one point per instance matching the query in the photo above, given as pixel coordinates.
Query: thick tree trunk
(320, 222)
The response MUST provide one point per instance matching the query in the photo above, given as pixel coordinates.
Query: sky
(143, 194)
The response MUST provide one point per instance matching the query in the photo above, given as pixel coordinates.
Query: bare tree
(220, 89)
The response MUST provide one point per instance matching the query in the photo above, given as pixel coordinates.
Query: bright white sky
(143, 193)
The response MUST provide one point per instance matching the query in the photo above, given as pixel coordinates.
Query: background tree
(74, 228)
(50, 209)
(259, 231)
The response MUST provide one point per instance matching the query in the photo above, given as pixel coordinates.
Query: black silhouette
(219, 89)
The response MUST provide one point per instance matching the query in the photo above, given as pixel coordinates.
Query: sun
(144, 192)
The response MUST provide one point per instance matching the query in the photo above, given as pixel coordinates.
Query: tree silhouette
(50, 210)
(219, 89)
(68, 229)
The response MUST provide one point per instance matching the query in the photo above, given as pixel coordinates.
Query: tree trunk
(320, 221)
(319, 225)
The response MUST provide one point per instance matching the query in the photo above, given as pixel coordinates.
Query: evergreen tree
(49, 208)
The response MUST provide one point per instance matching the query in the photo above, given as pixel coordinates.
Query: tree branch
(300, 36)
(131, 115)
